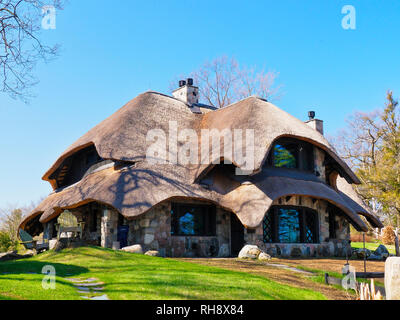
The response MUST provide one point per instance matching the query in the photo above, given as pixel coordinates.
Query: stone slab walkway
(90, 288)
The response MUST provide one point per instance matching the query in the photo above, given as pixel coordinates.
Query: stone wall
(326, 247)
(153, 231)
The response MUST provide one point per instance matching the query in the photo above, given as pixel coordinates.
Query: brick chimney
(187, 92)
(316, 124)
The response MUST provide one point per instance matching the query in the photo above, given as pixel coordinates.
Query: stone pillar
(392, 278)
(109, 225)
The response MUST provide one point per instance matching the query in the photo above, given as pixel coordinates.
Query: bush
(6, 243)
(388, 235)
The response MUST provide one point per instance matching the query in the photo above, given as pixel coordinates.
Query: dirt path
(281, 275)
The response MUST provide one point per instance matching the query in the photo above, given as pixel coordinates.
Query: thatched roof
(135, 189)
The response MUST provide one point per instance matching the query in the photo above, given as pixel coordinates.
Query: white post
(392, 278)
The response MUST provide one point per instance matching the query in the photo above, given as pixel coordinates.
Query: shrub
(388, 235)
(6, 243)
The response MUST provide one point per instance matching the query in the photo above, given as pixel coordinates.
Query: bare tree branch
(20, 44)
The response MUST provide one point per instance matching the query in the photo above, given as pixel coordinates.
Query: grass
(372, 246)
(134, 276)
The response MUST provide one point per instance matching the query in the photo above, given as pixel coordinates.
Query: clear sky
(113, 51)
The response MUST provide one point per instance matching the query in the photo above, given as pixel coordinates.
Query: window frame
(272, 215)
(210, 219)
(303, 163)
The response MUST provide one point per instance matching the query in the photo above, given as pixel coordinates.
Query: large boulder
(264, 256)
(249, 252)
(382, 251)
(136, 248)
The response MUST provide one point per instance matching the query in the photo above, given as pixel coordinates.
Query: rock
(361, 253)
(392, 278)
(136, 248)
(52, 244)
(264, 256)
(296, 252)
(148, 238)
(272, 251)
(249, 251)
(223, 251)
(382, 251)
(374, 256)
(152, 253)
(144, 223)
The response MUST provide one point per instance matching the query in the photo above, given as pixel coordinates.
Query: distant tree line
(371, 145)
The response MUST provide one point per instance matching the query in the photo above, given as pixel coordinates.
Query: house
(137, 178)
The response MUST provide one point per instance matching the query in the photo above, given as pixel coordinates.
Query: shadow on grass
(35, 267)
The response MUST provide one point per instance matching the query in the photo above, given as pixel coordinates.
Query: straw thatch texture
(135, 189)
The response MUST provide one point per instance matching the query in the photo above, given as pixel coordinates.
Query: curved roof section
(351, 197)
(122, 136)
(269, 123)
(134, 190)
(251, 201)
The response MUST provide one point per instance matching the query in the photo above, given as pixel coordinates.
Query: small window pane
(310, 229)
(285, 156)
(288, 226)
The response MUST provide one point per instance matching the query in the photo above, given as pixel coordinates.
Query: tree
(222, 82)
(371, 145)
(10, 222)
(20, 44)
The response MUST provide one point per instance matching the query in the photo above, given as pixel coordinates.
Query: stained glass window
(292, 154)
(285, 156)
(289, 224)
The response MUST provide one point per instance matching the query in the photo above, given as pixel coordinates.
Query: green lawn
(372, 246)
(135, 276)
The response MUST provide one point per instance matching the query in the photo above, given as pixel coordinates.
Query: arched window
(292, 154)
(290, 224)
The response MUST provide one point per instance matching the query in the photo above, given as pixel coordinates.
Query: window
(287, 224)
(193, 220)
(292, 154)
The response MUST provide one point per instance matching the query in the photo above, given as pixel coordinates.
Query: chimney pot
(187, 92)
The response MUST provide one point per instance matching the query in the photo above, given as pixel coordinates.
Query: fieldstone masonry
(152, 231)
(326, 247)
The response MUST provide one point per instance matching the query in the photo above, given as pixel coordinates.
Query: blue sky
(111, 52)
